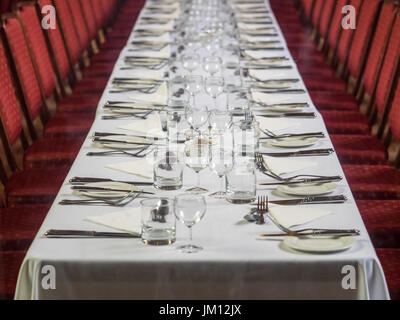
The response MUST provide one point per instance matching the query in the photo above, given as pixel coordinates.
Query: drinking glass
(177, 94)
(220, 120)
(190, 61)
(212, 65)
(238, 100)
(189, 210)
(158, 221)
(246, 137)
(196, 116)
(214, 86)
(193, 85)
(196, 158)
(168, 168)
(221, 162)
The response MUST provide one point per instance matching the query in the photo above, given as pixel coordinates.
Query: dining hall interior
(266, 130)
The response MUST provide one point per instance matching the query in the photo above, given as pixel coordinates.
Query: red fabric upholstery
(4, 6)
(66, 125)
(382, 220)
(19, 225)
(373, 182)
(106, 56)
(68, 30)
(381, 36)
(394, 117)
(79, 103)
(57, 46)
(34, 186)
(51, 153)
(98, 13)
(80, 23)
(10, 261)
(25, 69)
(347, 34)
(99, 69)
(390, 260)
(389, 68)
(345, 122)
(90, 85)
(307, 6)
(9, 108)
(359, 149)
(336, 24)
(326, 16)
(326, 100)
(320, 70)
(316, 13)
(314, 82)
(89, 18)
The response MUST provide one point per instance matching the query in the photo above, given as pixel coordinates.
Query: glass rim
(154, 201)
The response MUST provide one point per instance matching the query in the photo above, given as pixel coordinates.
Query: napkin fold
(158, 97)
(252, 26)
(144, 73)
(281, 166)
(150, 127)
(127, 220)
(272, 74)
(162, 26)
(164, 53)
(142, 168)
(275, 124)
(290, 216)
(163, 38)
(272, 98)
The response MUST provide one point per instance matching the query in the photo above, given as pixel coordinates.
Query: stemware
(219, 121)
(189, 210)
(196, 158)
(212, 65)
(190, 61)
(221, 162)
(214, 86)
(196, 116)
(193, 85)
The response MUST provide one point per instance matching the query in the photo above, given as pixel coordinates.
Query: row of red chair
(353, 78)
(50, 83)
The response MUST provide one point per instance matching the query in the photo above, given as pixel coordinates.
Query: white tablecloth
(233, 264)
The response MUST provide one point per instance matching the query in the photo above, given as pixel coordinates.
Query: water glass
(178, 96)
(246, 135)
(168, 168)
(158, 221)
(238, 99)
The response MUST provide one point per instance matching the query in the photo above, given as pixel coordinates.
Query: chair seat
(98, 69)
(90, 85)
(10, 262)
(377, 182)
(106, 56)
(34, 186)
(314, 82)
(382, 220)
(19, 225)
(345, 122)
(69, 125)
(79, 103)
(52, 152)
(359, 149)
(320, 69)
(326, 100)
(390, 260)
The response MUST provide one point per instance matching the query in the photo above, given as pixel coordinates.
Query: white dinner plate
(320, 244)
(108, 194)
(308, 189)
(291, 142)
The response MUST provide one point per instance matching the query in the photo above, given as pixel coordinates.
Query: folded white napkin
(142, 73)
(272, 98)
(164, 53)
(275, 124)
(150, 127)
(252, 26)
(272, 74)
(162, 27)
(158, 97)
(127, 220)
(281, 166)
(290, 216)
(163, 38)
(142, 168)
(248, 38)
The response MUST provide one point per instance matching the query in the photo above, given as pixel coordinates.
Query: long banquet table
(234, 263)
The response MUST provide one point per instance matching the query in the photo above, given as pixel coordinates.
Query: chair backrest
(378, 48)
(335, 27)
(80, 24)
(68, 31)
(40, 53)
(316, 13)
(393, 127)
(307, 8)
(4, 6)
(98, 13)
(346, 35)
(89, 18)
(57, 46)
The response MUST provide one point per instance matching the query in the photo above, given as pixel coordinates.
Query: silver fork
(121, 202)
(138, 154)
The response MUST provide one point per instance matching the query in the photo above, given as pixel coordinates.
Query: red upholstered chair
(390, 260)
(10, 262)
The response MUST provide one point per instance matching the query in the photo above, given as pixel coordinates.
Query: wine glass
(190, 61)
(213, 46)
(212, 65)
(193, 85)
(219, 121)
(189, 210)
(196, 158)
(196, 116)
(221, 162)
(214, 86)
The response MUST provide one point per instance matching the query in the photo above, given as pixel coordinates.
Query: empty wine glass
(214, 87)
(196, 158)
(189, 210)
(221, 162)
(196, 116)
(193, 85)
(213, 46)
(190, 62)
(212, 65)
(220, 120)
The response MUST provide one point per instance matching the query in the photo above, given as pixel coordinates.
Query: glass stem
(222, 183)
(198, 179)
(190, 235)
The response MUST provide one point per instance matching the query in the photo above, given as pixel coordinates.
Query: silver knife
(54, 233)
